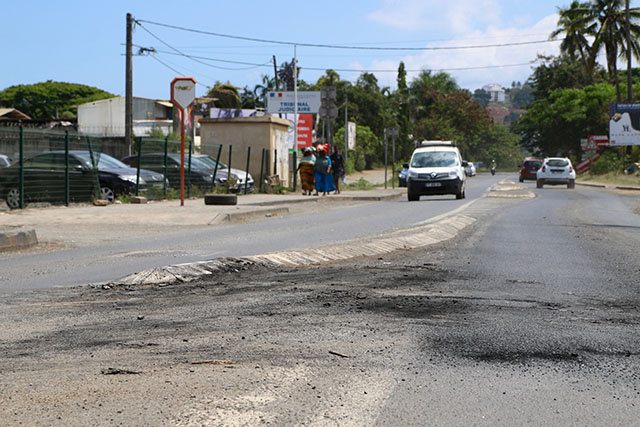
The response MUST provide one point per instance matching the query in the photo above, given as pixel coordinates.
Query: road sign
(183, 91)
(284, 102)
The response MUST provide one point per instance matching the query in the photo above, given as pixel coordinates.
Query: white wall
(104, 117)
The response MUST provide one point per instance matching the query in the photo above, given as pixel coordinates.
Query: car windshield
(4, 162)
(434, 159)
(557, 162)
(532, 164)
(103, 161)
(210, 162)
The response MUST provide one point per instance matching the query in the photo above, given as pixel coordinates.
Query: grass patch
(361, 184)
(613, 178)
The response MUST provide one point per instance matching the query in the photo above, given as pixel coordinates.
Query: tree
(575, 22)
(482, 97)
(610, 15)
(520, 95)
(49, 100)
(555, 125)
(604, 22)
(227, 95)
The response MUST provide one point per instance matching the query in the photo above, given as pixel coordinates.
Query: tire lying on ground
(220, 199)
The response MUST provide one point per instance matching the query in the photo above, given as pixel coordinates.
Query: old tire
(221, 199)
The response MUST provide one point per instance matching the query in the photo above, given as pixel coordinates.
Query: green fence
(49, 166)
(65, 167)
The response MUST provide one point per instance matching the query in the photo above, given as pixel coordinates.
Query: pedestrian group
(321, 172)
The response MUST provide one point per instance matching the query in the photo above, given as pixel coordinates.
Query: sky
(84, 41)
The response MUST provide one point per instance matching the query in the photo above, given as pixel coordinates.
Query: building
(496, 91)
(107, 117)
(267, 133)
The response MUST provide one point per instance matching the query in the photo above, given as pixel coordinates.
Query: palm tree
(611, 35)
(577, 24)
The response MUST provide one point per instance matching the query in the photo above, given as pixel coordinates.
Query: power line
(356, 70)
(196, 59)
(330, 46)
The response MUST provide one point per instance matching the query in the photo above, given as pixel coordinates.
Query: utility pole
(128, 103)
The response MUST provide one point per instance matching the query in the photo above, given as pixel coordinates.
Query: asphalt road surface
(110, 261)
(529, 317)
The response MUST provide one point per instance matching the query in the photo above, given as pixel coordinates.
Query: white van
(436, 168)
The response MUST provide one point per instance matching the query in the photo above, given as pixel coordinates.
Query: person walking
(307, 171)
(324, 178)
(337, 167)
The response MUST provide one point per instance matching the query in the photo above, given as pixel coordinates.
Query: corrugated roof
(12, 113)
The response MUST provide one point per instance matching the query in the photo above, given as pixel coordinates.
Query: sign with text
(624, 124)
(305, 130)
(283, 102)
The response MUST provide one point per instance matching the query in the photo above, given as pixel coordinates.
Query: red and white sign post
(183, 93)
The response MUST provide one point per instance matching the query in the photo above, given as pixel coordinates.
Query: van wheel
(539, 183)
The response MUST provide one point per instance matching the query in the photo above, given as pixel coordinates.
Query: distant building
(12, 114)
(106, 117)
(496, 91)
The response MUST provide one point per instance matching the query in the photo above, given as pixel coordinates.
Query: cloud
(452, 61)
(452, 17)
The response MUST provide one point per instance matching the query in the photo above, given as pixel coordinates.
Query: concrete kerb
(413, 238)
(18, 238)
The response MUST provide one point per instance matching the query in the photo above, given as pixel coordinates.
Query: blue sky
(83, 41)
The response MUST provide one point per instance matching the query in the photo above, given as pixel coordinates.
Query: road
(529, 317)
(110, 261)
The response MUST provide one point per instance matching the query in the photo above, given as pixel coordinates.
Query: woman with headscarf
(324, 177)
(307, 171)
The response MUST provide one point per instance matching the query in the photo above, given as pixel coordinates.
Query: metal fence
(64, 167)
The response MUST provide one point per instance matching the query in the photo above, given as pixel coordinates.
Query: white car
(470, 169)
(4, 161)
(436, 168)
(556, 171)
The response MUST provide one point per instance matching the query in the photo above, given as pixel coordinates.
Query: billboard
(283, 102)
(624, 124)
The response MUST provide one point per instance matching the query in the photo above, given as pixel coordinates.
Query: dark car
(529, 168)
(402, 175)
(44, 178)
(202, 169)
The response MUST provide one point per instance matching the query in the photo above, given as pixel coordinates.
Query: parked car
(202, 170)
(4, 161)
(436, 168)
(470, 169)
(402, 175)
(556, 171)
(237, 174)
(529, 169)
(200, 174)
(44, 178)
